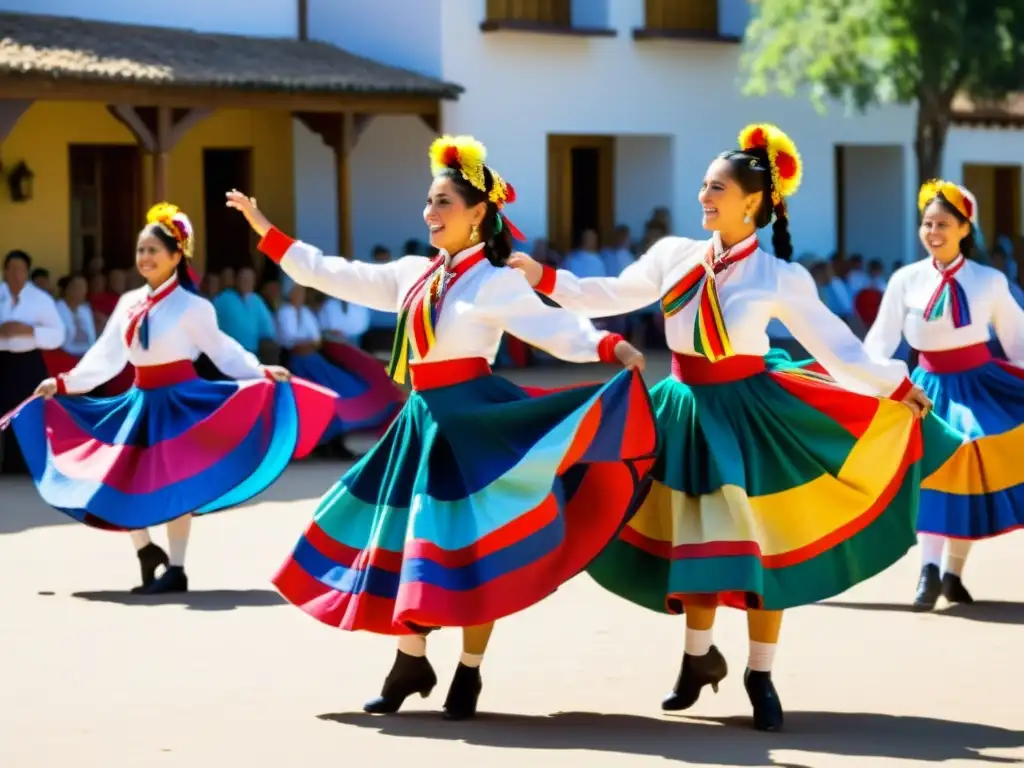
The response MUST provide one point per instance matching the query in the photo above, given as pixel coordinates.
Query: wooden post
(303, 10)
(342, 156)
(162, 157)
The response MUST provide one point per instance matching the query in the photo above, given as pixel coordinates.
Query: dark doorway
(586, 183)
(106, 202)
(228, 239)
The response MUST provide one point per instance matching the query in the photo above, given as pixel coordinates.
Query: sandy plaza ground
(228, 675)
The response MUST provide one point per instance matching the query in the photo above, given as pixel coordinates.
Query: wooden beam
(11, 111)
(186, 123)
(33, 88)
(432, 121)
(132, 120)
(303, 9)
(343, 174)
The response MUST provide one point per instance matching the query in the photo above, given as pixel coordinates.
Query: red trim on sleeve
(548, 276)
(606, 347)
(275, 244)
(902, 390)
(62, 387)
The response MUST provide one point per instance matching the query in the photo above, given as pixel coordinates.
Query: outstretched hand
(632, 359)
(531, 268)
(917, 401)
(247, 207)
(47, 388)
(277, 373)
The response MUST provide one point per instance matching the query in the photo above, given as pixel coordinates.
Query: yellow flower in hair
(786, 166)
(954, 194)
(462, 153)
(174, 221)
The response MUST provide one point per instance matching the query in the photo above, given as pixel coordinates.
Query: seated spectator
(620, 254)
(585, 261)
(227, 278)
(209, 285)
(270, 292)
(856, 278)
(343, 320)
(244, 316)
(381, 332)
(876, 275)
(41, 280)
(76, 314)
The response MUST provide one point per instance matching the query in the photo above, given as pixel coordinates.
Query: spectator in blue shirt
(243, 315)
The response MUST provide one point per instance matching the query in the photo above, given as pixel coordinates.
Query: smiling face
(941, 231)
(448, 218)
(724, 203)
(153, 259)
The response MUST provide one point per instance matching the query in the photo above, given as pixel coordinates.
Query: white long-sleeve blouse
(753, 291)
(181, 327)
(989, 300)
(296, 325)
(482, 304)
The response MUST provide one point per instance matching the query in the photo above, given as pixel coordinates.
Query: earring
(474, 234)
(746, 219)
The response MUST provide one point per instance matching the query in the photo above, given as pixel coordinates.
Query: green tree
(866, 52)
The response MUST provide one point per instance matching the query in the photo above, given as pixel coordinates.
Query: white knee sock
(954, 555)
(140, 538)
(471, 659)
(698, 641)
(761, 656)
(931, 548)
(413, 645)
(177, 539)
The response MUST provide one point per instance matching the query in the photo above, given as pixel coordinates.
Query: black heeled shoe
(765, 700)
(151, 557)
(928, 588)
(408, 675)
(695, 673)
(171, 580)
(460, 704)
(954, 591)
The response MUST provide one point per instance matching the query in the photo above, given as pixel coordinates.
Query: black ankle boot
(151, 557)
(696, 672)
(928, 588)
(460, 704)
(765, 700)
(171, 580)
(408, 675)
(954, 591)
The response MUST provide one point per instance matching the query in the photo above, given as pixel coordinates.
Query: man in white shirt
(76, 314)
(29, 323)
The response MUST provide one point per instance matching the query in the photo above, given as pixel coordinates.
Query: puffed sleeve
(507, 302)
(104, 359)
(886, 332)
(287, 326)
(374, 285)
(1008, 321)
(831, 342)
(638, 286)
(48, 329)
(227, 354)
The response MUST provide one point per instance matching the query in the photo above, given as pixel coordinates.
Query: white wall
(643, 179)
(590, 13)
(733, 16)
(274, 18)
(875, 204)
(403, 33)
(316, 193)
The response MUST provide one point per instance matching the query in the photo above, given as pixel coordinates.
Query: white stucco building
(596, 110)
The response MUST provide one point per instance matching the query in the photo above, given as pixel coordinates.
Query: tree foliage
(865, 52)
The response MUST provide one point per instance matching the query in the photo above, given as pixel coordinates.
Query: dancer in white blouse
(173, 445)
(945, 306)
(480, 500)
(775, 487)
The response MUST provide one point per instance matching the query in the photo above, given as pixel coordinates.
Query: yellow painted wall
(41, 137)
(981, 180)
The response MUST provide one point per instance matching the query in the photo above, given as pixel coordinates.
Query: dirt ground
(228, 675)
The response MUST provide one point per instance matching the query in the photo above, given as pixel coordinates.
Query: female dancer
(774, 487)
(173, 445)
(369, 397)
(480, 500)
(945, 305)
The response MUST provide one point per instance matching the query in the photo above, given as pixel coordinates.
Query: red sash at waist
(954, 360)
(165, 375)
(446, 373)
(692, 369)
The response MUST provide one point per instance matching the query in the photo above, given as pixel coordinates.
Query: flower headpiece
(783, 158)
(175, 223)
(957, 196)
(467, 156)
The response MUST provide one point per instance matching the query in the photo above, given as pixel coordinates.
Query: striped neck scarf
(138, 315)
(421, 308)
(710, 337)
(949, 293)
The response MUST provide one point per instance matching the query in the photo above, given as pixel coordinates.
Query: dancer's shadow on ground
(707, 741)
(208, 600)
(985, 611)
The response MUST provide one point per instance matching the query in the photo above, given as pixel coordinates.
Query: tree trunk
(930, 141)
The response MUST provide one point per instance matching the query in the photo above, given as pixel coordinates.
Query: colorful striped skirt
(368, 398)
(980, 494)
(172, 444)
(479, 501)
(773, 488)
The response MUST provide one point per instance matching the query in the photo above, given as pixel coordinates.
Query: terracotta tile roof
(64, 47)
(1008, 113)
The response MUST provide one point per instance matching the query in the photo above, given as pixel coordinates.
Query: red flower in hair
(451, 156)
(786, 165)
(511, 197)
(969, 205)
(757, 138)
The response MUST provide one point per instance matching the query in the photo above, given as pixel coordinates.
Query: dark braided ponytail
(752, 171)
